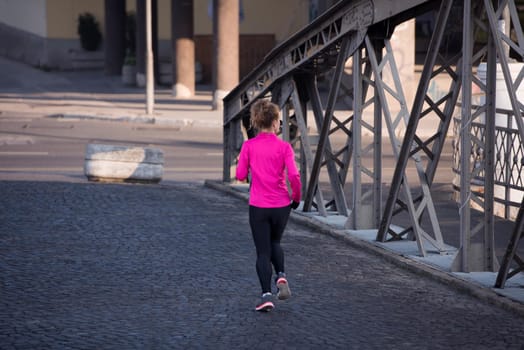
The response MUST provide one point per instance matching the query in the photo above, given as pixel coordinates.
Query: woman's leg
(279, 220)
(261, 231)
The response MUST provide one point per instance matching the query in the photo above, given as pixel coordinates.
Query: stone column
(183, 46)
(141, 43)
(115, 39)
(226, 41)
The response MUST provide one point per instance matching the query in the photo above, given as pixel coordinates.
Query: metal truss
(476, 154)
(307, 151)
(418, 147)
(323, 154)
(336, 168)
(311, 50)
(359, 30)
(366, 202)
(482, 142)
(498, 39)
(395, 126)
(308, 50)
(314, 51)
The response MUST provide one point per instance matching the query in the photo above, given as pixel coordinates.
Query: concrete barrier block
(124, 153)
(123, 163)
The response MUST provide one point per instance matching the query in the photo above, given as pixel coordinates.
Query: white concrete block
(123, 163)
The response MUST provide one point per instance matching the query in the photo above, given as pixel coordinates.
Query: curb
(468, 287)
(143, 119)
(134, 119)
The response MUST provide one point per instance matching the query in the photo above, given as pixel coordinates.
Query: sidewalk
(92, 95)
(30, 93)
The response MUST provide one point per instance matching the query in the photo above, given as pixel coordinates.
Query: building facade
(43, 33)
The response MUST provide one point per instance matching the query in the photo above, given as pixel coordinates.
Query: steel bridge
(356, 34)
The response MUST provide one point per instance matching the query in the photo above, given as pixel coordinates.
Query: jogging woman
(267, 158)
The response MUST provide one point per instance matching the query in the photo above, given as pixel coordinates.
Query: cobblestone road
(171, 266)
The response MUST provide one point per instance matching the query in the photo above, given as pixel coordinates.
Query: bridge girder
(359, 32)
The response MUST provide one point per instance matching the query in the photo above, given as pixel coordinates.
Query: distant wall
(27, 15)
(62, 16)
(43, 33)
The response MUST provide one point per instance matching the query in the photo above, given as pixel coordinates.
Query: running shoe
(283, 287)
(266, 303)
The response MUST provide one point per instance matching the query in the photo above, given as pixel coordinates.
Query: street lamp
(150, 79)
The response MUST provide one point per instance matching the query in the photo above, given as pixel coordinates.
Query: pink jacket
(267, 157)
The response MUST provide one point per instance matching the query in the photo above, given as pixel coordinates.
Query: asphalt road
(57, 146)
(47, 148)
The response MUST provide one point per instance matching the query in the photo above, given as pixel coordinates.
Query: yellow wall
(130, 5)
(259, 17)
(164, 19)
(262, 18)
(202, 22)
(62, 16)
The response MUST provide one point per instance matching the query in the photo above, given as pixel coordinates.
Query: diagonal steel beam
(518, 108)
(511, 251)
(345, 46)
(409, 137)
(336, 185)
(306, 144)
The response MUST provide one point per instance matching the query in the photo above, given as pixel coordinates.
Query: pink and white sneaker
(266, 303)
(283, 287)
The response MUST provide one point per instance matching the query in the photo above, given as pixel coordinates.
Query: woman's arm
(243, 164)
(293, 175)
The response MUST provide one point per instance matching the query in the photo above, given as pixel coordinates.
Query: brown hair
(263, 113)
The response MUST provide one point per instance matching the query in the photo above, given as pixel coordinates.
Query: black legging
(267, 227)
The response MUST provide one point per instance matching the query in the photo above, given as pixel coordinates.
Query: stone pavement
(122, 266)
